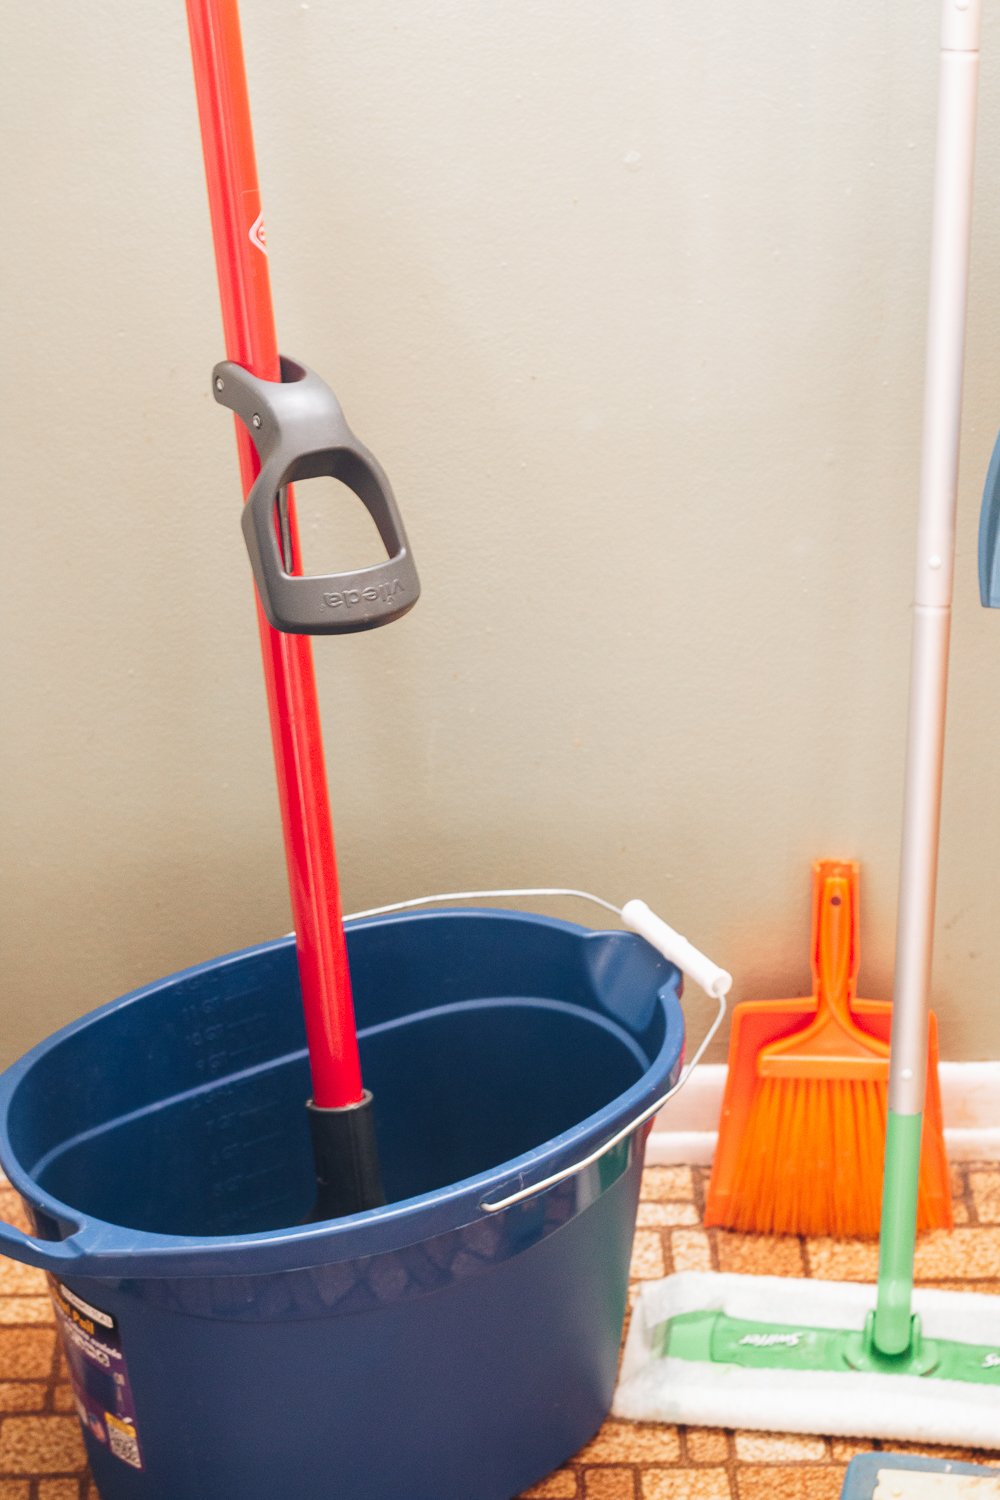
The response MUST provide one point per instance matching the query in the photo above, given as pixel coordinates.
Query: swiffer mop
(289, 427)
(812, 1356)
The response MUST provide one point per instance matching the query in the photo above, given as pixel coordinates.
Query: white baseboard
(685, 1130)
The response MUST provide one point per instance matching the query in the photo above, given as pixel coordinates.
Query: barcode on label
(122, 1441)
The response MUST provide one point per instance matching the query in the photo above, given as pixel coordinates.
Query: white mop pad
(852, 1404)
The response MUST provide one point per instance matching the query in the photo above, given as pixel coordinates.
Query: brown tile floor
(42, 1457)
(628, 1461)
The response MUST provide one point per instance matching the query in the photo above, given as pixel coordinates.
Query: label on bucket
(98, 1372)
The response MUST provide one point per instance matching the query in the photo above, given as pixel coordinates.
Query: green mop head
(798, 1356)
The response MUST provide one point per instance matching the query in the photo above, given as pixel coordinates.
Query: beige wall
(629, 299)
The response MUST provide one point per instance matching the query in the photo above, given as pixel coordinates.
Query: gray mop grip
(300, 432)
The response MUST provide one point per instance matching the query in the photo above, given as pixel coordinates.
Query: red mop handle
(248, 321)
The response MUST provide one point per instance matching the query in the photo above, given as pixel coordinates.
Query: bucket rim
(94, 1247)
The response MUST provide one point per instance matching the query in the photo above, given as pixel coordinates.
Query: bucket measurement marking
(221, 1029)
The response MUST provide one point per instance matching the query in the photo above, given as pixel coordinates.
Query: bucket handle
(636, 915)
(676, 949)
(68, 1254)
(497, 1206)
(58, 1256)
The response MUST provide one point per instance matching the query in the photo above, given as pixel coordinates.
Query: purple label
(98, 1372)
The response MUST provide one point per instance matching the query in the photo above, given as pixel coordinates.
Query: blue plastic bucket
(428, 1350)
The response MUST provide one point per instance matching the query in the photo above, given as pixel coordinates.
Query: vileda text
(370, 594)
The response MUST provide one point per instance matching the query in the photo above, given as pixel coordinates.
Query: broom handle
(248, 322)
(835, 957)
(959, 68)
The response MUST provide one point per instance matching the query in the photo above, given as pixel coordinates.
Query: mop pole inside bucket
(340, 1112)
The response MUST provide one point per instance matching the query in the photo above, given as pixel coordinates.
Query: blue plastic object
(861, 1479)
(427, 1350)
(989, 534)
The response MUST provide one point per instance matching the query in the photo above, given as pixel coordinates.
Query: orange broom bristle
(811, 1159)
(802, 1136)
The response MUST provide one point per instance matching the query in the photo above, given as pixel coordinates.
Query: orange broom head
(802, 1134)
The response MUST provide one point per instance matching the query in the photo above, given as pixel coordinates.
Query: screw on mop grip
(348, 1180)
(300, 433)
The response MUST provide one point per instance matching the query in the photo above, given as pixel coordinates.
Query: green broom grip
(893, 1327)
